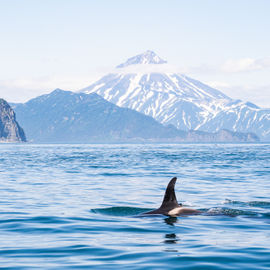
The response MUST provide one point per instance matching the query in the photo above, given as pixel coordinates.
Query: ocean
(78, 206)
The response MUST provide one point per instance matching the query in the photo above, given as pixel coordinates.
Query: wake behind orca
(170, 206)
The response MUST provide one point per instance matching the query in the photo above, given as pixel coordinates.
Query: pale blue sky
(69, 43)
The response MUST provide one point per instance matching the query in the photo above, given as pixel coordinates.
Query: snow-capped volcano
(173, 98)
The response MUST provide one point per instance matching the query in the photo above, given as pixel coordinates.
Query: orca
(170, 206)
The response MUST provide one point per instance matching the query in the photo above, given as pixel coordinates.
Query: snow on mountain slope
(173, 98)
(242, 117)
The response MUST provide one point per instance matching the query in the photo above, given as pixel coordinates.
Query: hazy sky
(69, 43)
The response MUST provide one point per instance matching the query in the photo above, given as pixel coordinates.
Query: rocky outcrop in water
(10, 131)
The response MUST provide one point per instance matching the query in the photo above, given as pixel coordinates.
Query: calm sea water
(78, 206)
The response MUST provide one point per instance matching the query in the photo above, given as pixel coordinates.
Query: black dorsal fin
(169, 200)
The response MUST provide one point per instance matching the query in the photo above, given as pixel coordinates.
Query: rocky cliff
(10, 131)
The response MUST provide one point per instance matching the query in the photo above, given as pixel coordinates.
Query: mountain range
(175, 99)
(68, 117)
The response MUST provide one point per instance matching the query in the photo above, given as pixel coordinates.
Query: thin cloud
(259, 95)
(246, 64)
(149, 68)
(218, 84)
(231, 66)
(23, 89)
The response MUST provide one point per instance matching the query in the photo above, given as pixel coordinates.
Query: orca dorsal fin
(169, 200)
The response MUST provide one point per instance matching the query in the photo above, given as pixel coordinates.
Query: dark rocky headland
(10, 130)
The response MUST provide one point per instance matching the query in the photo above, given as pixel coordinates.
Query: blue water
(78, 206)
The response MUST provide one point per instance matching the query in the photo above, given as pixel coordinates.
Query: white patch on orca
(174, 212)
